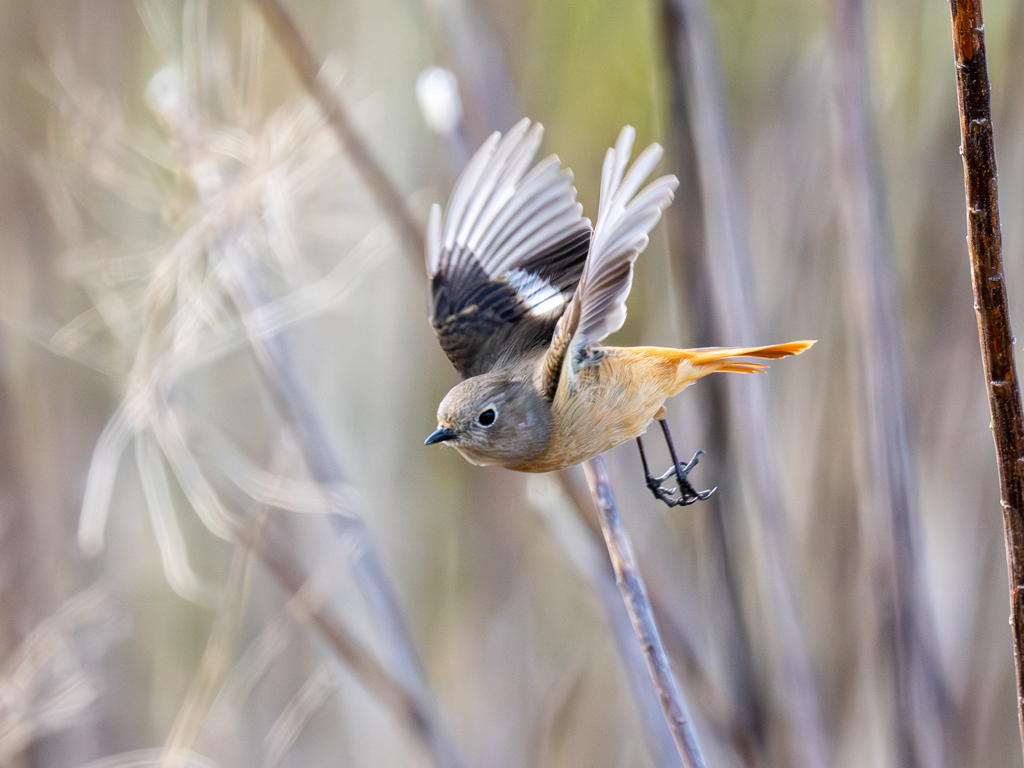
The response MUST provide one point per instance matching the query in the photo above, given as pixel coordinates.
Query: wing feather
(463, 192)
(620, 235)
(497, 182)
(535, 190)
(626, 215)
(506, 256)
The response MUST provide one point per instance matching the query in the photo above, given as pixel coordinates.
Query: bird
(523, 292)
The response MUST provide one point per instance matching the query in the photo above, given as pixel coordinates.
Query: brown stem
(307, 66)
(634, 594)
(985, 247)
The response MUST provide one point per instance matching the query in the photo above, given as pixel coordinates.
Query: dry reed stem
(729, 269)
(582, 543)
(295, 404)
(634, 595)
(380, 185)
(985, 246)
(409, 708)
(691, 279)
(888, 477)
(580, 534)
(214, 665)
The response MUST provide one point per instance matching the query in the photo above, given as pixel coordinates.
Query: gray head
(494, 418)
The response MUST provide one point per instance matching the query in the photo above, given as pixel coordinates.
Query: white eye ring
(488, 416)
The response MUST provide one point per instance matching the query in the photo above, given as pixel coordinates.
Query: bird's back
(618, 390)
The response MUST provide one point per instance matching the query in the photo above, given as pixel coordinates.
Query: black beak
(440, 435)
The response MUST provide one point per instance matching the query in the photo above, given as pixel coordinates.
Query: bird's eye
(487, 417)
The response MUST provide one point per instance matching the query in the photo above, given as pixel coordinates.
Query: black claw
(693, 462)
(687, 494)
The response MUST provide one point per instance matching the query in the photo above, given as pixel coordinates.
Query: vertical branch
(634, 594)
(729, 269)
(921, 700)
(985, 246)
(582, 544)
(307, 67)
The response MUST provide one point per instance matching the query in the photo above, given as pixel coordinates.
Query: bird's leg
(654, 483)
(687, 493)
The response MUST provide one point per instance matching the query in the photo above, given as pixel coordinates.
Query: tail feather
(772, 352)
(741, 366)
(697, 363)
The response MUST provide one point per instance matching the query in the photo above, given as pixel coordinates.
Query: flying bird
(523, 291)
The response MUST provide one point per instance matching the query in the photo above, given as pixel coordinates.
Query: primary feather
(620, 235)
(624, 218)
(506, 256)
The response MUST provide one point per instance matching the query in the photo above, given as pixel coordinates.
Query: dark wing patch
(481, 321)
(507, 256)
(562, 263)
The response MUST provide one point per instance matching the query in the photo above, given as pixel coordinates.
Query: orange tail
(701, 362)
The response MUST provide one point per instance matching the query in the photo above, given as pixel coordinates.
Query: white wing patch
(535, 292)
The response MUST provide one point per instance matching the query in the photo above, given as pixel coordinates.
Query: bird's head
(494, 418)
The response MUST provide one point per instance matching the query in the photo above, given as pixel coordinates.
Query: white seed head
(166, 95)
(437, 90)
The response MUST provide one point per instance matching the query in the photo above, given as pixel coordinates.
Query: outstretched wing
(598, 308)
(507, 257)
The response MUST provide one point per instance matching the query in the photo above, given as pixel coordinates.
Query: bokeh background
(221, 539)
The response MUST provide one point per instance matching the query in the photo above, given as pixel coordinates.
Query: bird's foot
(685, 494)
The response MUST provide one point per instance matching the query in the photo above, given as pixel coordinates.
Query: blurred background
(222, 542)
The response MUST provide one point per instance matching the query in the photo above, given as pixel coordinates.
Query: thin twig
(985, 245)
(213, 667)
(634, 594)
(578, 530)
(308, 67)
(582, 544)
(729, 272)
